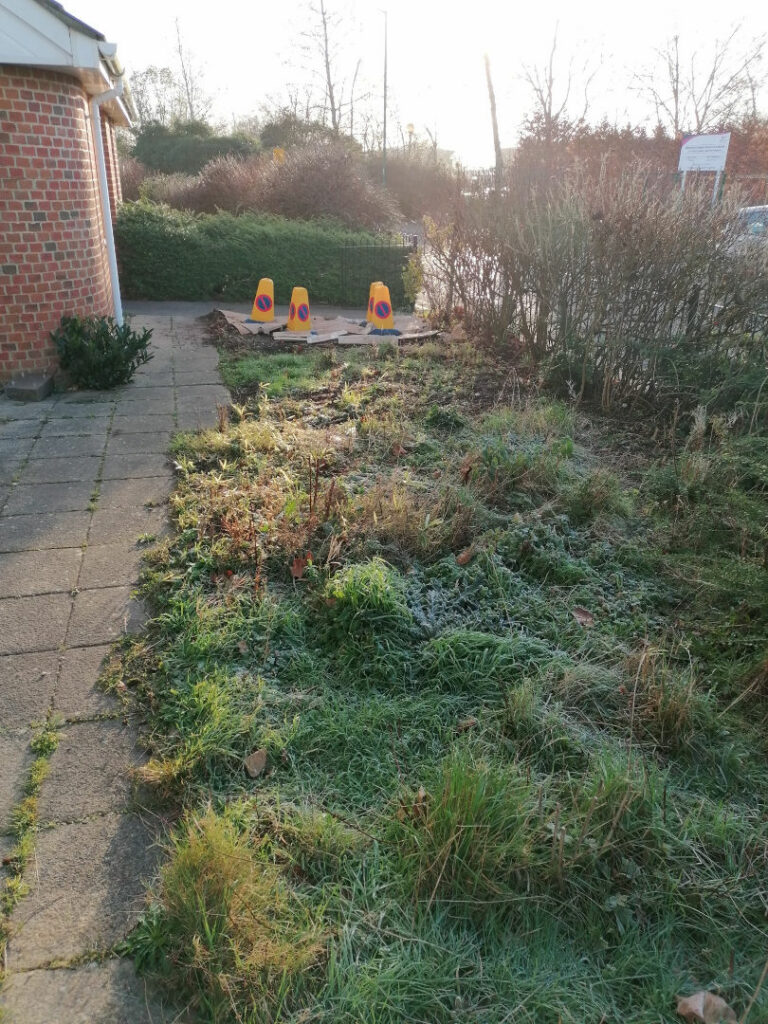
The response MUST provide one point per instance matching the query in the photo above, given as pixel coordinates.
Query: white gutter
(106, 210)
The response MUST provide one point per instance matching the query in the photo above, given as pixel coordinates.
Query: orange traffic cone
(369, 312)
(383, 320)
(298, 314)
(263, 311)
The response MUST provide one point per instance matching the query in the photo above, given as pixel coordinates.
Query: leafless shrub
(132, 174)
(326, 180)
(319, 180)
(176, 190)
(618, 285)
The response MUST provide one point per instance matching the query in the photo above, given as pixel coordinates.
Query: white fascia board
(31, 35)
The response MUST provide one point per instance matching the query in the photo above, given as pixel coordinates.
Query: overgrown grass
(513, 710)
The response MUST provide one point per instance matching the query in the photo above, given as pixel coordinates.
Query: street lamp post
(384, 147)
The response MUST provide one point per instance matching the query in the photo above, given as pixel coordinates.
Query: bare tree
(158, 96)
(697, 90)
(198, 102)
(499, 165)
(335, 68)
(552, 90)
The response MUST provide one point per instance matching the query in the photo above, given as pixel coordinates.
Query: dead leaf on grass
(706, 1008)
(583, 617)
(256, 762)
(466, 556)
(299, 564)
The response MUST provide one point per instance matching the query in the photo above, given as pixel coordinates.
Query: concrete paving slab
(142, 424)
(135, 492)
(38, 572)
(33, 623)
(101, 616)
(20, 428)
(118, 467)
(97, 993)
(60, 470)
(146, 383)
(158, 393)
(83, 410)
(75, 426)
(87, 891)
(70, 446)
(27, 683)
(94, 397)
(207, 394)
(43, 530)
(90, 771)
(115, 526)
(77, 695)
(111, 565)
(206, 374)
(10, 468)
(197, 419)
(14, 757)
(24, 411)
(31, 499)
(146, 408)
(16, 447)
(139, 444)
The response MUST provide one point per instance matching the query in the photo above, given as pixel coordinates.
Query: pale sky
(436, 77)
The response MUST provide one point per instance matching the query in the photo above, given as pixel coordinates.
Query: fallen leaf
(466, 556)
(256, 762)
(299, 564)
(705, 1007)
(583, 617)
(420, 803)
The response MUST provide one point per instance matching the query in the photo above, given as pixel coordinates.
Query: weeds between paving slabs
(512, 704)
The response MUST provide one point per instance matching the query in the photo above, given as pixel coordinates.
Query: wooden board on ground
(343, 330)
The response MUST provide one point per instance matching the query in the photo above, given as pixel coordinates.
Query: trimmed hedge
(167, 254)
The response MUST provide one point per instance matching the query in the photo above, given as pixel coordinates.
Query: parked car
(753, 221)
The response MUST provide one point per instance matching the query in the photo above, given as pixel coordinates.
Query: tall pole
(384, 148)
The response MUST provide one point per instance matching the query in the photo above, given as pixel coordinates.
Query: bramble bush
(171, 254)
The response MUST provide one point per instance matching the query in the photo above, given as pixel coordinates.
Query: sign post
(704, 153)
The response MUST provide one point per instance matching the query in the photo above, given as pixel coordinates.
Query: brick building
(61, 97)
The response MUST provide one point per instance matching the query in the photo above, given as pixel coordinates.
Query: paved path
(83, 476)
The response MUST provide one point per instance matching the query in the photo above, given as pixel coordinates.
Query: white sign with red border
(704, 152)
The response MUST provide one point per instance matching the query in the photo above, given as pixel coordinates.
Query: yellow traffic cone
(369, 312)
(382, 309)
(298, 315)
(263, 311)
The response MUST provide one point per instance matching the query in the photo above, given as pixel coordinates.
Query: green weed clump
(231, 924)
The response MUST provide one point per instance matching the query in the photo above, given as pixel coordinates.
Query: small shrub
(446, 420)
(98, 353)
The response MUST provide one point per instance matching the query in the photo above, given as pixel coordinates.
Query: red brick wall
(52, 252)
